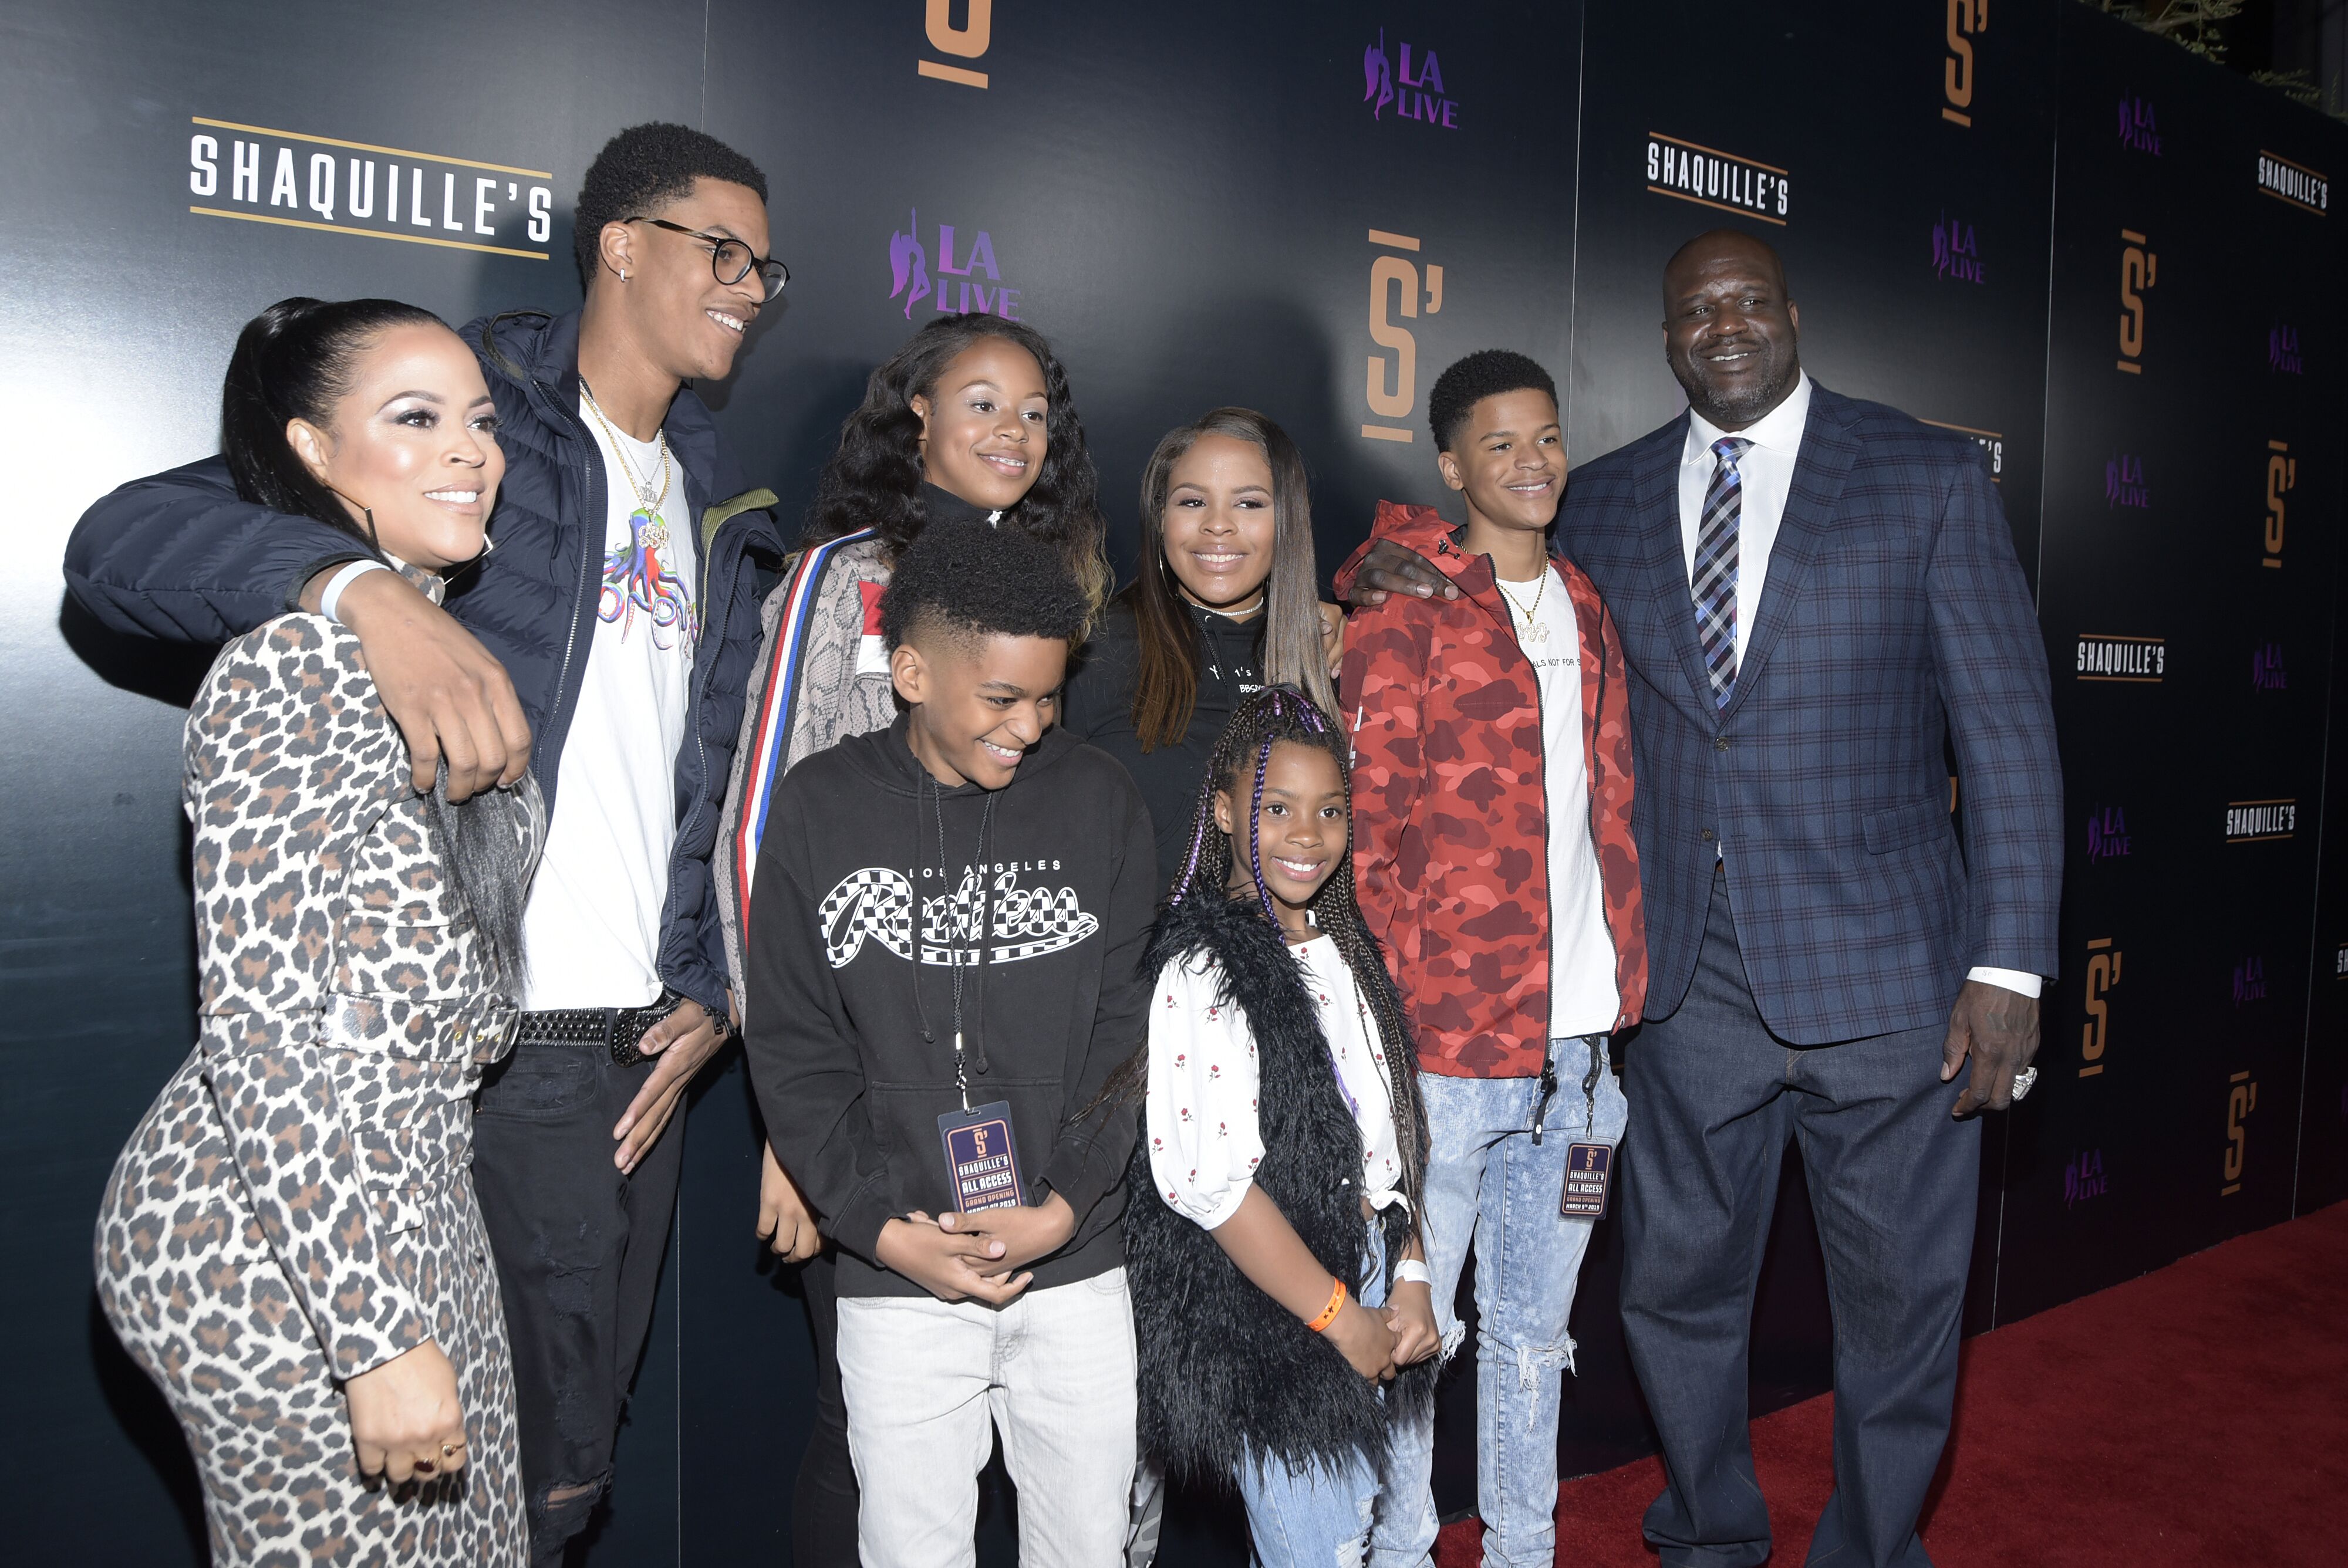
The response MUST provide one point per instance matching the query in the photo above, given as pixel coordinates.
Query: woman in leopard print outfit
(295, 1211)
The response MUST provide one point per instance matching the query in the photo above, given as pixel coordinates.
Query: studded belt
(617, 1029)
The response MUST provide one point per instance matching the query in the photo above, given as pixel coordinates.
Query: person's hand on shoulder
(452, 701)
(1390, 567)
(1333, 637)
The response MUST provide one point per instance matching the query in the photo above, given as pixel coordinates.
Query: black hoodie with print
(851, 1041)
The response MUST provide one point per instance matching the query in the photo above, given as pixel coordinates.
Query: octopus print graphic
(636, 580)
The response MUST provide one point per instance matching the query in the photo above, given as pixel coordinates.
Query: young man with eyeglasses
(616, 623)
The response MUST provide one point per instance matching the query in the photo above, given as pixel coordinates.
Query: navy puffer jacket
(179, 556)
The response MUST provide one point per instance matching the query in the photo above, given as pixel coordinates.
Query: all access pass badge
(982, 1157)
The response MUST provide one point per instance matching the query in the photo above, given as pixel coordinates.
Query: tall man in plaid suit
(1814, 593)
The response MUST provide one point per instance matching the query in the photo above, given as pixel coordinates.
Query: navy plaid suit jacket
(1893, 618)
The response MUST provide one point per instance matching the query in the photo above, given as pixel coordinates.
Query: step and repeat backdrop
(2102, 260)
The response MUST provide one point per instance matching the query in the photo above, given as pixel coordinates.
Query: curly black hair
(641, 170)
(974, 580)
(874, 477)
(1487, 372)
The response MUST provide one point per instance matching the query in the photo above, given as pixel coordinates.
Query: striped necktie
(1713, 586)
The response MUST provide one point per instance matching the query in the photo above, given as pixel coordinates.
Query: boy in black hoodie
(946, 971)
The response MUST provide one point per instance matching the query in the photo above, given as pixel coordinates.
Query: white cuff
(2017, 980)
(1411, 1270)
(330, 601)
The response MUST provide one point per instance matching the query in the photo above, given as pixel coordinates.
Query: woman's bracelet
(1329, 1313)
(1412, 1271)
(330, 602)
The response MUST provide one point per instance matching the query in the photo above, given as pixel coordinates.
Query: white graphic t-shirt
(1582, 998)
(592, 928)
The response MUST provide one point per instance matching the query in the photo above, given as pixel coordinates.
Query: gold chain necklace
(1535, 630)
(651, 503)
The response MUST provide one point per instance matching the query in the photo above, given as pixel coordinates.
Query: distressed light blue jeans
(1319, 1516)
(1488, 1180)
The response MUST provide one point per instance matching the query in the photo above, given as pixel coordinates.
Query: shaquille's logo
(1966, 17)
(2141, 660)
(2241, 1099)
(2260, 820)
(2295, 183)
(2139, 271)
(968, 42)
(2282, 477)
(1711, 178)
(297, 181)
(975, 283)
(1418, 97)
(1398, 288)
(2104, 968)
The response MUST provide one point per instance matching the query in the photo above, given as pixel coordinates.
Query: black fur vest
(1224, 1368)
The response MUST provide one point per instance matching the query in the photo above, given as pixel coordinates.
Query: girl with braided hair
(1281, 1302)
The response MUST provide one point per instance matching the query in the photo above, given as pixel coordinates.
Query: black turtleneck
(941, 505)
(1099, 709)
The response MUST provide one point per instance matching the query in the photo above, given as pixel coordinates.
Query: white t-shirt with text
(1582, 997)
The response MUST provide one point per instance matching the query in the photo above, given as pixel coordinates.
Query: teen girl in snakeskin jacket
(970, 418)
(289, 1244)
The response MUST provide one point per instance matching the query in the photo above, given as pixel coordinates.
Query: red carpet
(2196, 1416)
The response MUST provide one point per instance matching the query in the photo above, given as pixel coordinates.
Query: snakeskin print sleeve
(289, 762)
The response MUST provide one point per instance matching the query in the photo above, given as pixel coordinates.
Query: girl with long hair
(971, 418)
(1227, 600)
(1280, 1295)
(289, 1244)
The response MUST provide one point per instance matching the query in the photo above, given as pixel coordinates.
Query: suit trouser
(1893, 1183)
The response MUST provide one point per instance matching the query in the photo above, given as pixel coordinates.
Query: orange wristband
(1329, 1313)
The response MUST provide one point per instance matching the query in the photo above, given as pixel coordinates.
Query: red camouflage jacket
(1451, 811)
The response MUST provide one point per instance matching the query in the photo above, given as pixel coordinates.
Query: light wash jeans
(1486, 1179)
(928, 1382)
(1318, 1517)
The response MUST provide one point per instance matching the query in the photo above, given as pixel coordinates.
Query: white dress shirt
(1766, 476)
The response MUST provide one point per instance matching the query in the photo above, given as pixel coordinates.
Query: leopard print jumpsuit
(297, 1206)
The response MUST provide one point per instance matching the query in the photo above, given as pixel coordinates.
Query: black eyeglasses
(729, 259)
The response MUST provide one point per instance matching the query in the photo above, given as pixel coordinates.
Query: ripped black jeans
(578, 1250)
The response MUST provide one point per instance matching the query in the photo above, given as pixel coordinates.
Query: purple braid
(1255, 830)
(1202, 821)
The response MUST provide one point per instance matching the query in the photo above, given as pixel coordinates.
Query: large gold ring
(450, 1450)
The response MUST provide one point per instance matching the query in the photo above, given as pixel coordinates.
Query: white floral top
(1204, 1140)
